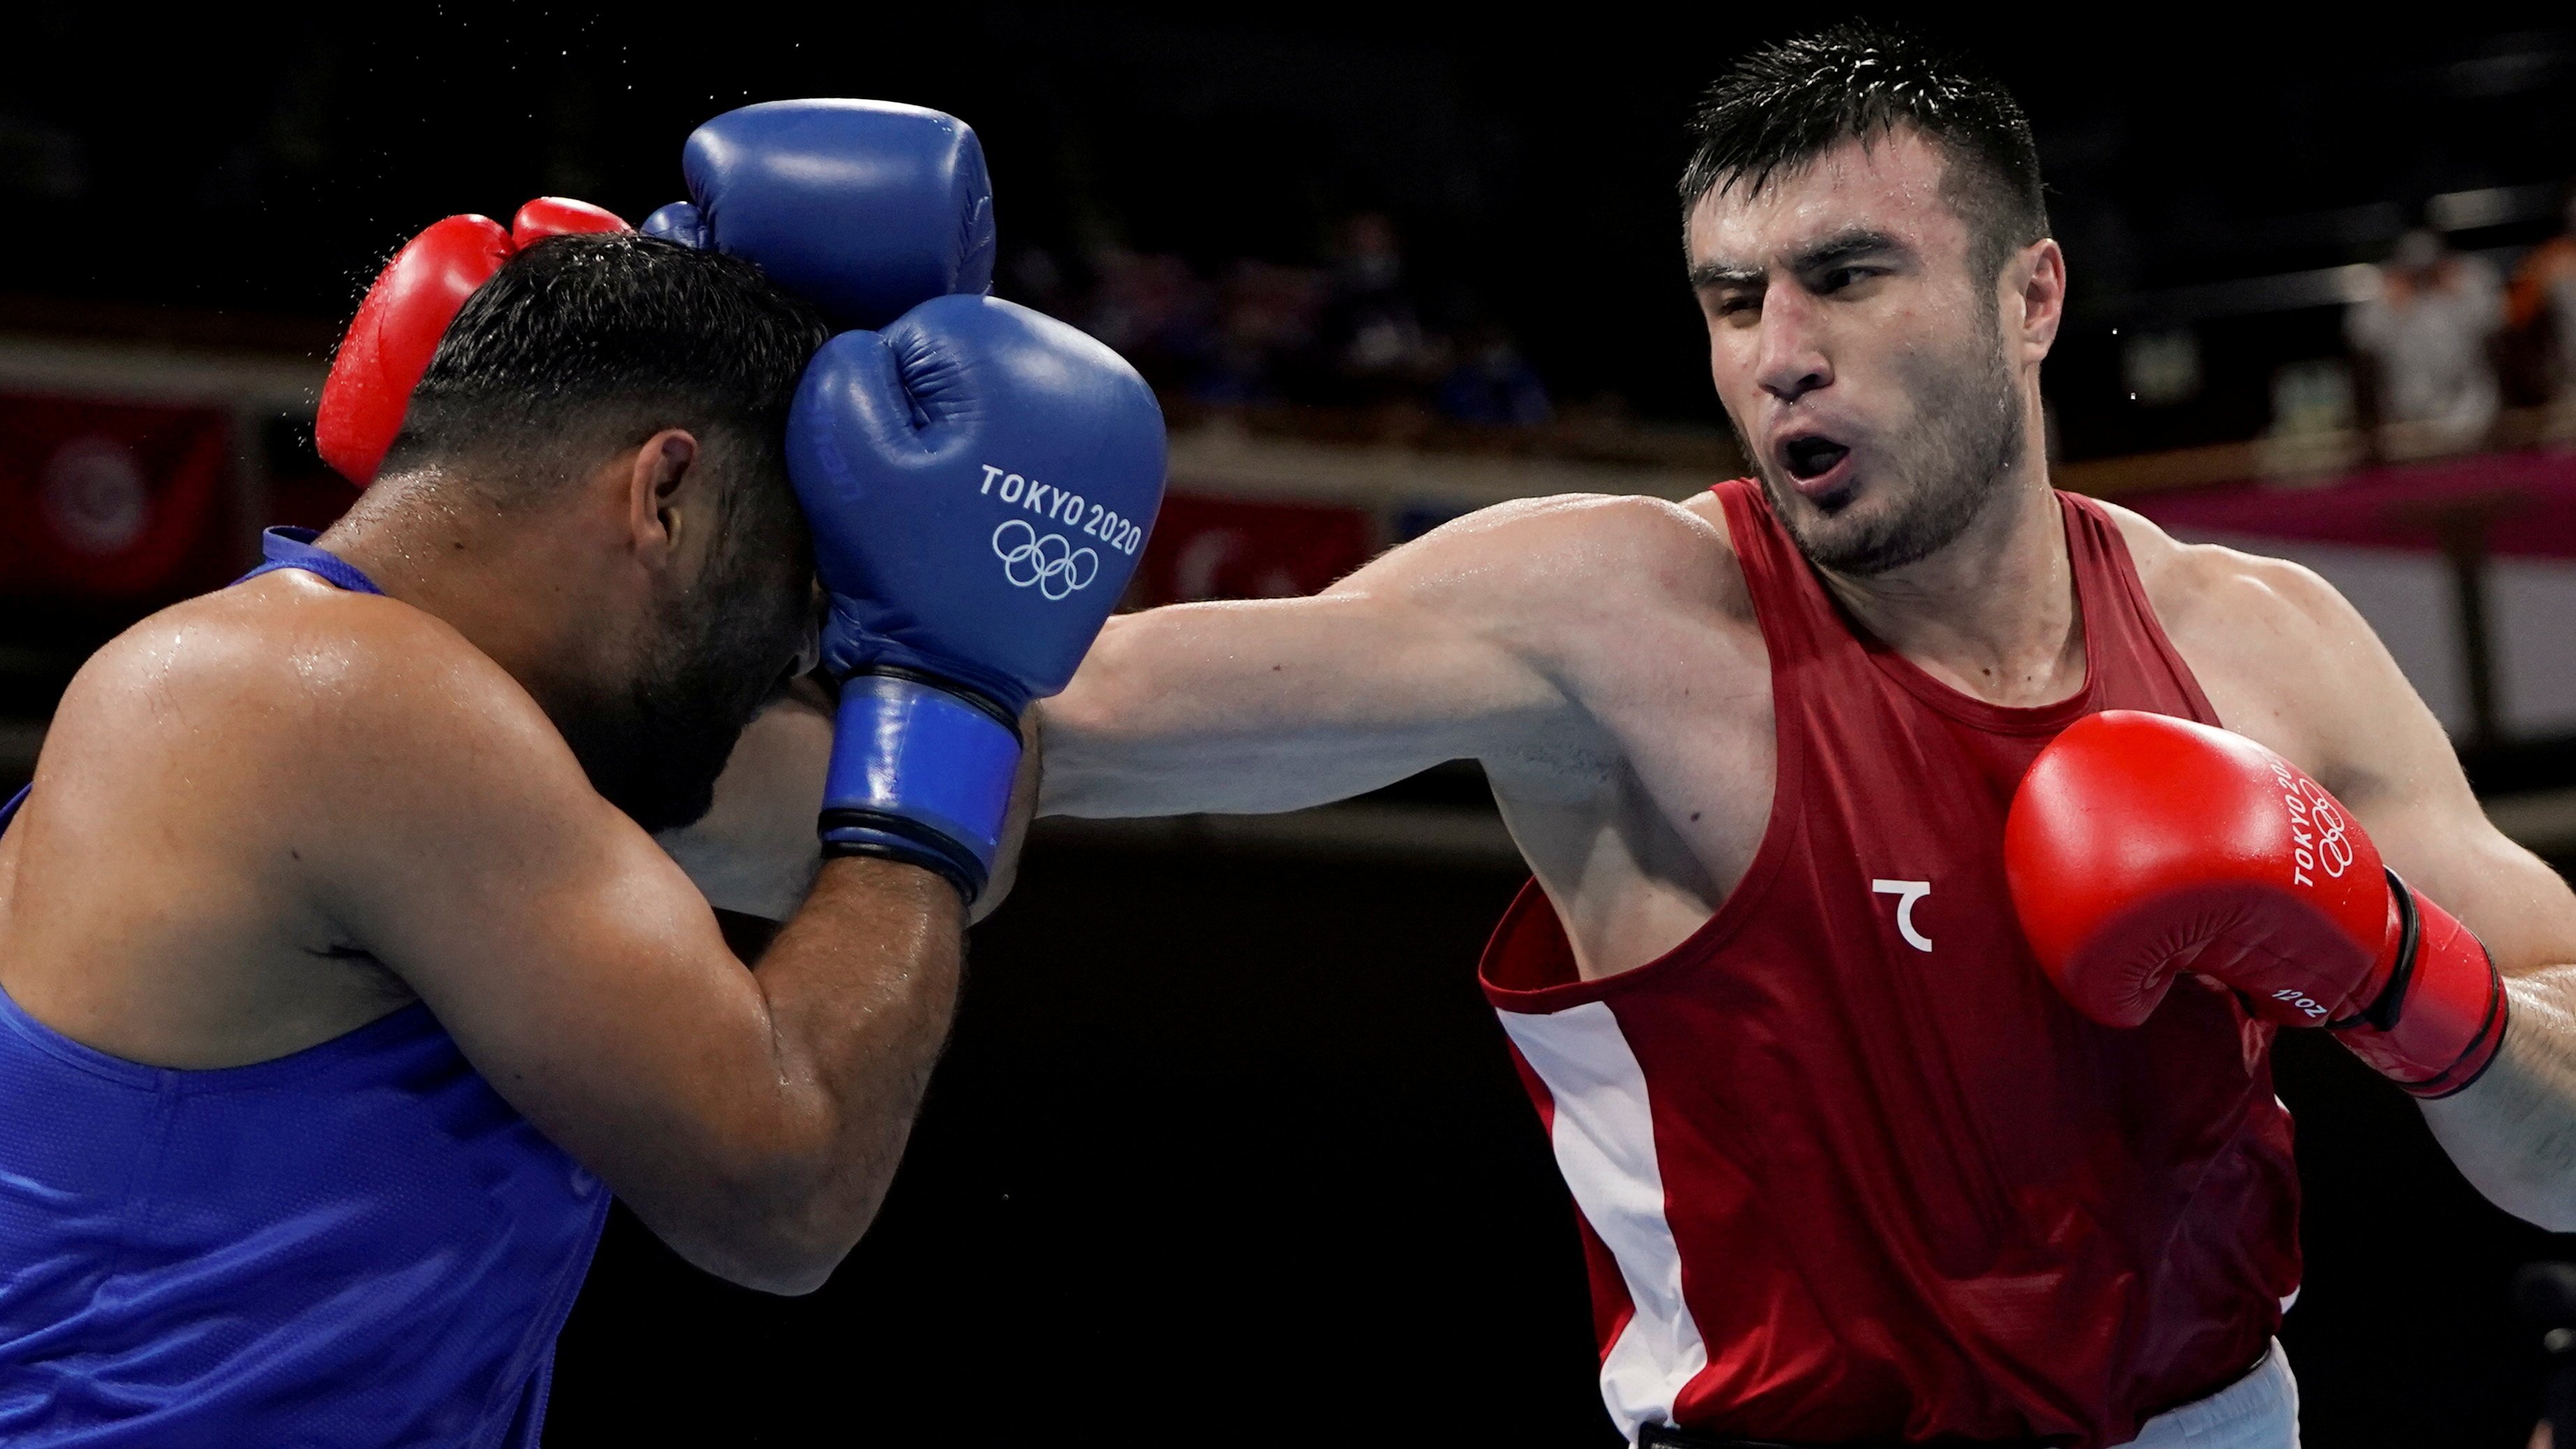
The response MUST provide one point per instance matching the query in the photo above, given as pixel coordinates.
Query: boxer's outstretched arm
(756, 851)
(752, 1118)
(2334, 699)
(1465, 643)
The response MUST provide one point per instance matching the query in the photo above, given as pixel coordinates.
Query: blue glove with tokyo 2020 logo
(979, 479)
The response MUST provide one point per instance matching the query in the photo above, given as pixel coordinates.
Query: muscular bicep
(572, 961)
(1272, 705)
(1453, 646)
(2405, 786)
(2288, 661)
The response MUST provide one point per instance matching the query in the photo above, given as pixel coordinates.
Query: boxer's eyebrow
(1844, 247)
(1838, 249)
(1724, 274)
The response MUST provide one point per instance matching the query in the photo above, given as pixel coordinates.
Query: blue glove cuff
(920, 774)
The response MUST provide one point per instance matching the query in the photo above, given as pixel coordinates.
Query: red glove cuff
(2442, 1016)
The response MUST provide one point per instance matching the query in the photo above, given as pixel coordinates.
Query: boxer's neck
(523, 590)
(1992, 614)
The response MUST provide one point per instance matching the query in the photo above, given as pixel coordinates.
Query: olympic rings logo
(1048, 562)
(2334, 841)
(2320, 837)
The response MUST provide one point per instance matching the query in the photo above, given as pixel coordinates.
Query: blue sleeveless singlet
(357, 1244)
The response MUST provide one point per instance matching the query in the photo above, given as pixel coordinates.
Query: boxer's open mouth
(1811, 458)
(1815, 464)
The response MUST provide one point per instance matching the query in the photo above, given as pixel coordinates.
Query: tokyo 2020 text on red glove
(2140, 847)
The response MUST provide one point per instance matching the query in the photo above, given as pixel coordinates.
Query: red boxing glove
(561, 216)
(2140, 847)
(405, 314)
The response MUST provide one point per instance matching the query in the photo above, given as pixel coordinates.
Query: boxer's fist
(862, 208)
(2140, 847)
(979, 479)
(406, 312)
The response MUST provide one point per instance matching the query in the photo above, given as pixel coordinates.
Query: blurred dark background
(1228, 1147)
(266, 160)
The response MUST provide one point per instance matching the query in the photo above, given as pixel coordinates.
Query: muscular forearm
(1256, 707)
(860, 987)
(1122, 772)
(2513, 1132)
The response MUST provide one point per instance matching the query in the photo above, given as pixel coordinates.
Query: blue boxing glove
(980, 479)
(862, 208)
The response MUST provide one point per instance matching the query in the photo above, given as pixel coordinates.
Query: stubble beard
(655, 747)
(1931, 490)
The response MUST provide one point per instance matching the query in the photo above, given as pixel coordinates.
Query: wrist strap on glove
(2438, 1022)
(920, 773)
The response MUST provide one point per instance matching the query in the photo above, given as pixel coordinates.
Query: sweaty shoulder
(286, 689)
(1575, 558)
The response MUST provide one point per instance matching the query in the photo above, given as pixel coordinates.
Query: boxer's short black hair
(1791, 101)
(581, 345)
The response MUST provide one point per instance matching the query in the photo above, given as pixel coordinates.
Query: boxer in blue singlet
(335, 957)
(421, 1171)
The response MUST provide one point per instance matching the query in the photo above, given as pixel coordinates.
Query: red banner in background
(111, 500)
(1226, 548)
(2527, 501)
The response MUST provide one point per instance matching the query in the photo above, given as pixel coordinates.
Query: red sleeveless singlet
(1847, 1167)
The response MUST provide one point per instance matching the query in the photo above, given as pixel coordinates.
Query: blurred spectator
(1493, 383)
(1266, 333)
(2312, 432)
(2540, 314)
(1153, 310)
(1372, 329)
(2425, 344)
(1267, 316)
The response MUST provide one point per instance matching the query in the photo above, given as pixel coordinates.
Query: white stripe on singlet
(1604, 1136)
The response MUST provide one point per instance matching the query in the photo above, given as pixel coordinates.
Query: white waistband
(2258, 1411)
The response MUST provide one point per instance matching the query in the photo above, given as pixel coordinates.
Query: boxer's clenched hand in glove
(2141, 847)
(979, 479)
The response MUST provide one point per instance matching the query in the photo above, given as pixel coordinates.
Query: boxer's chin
(657, 763)
(655, 748)
(1883, 517)
(1854, 527)
(1870, 536)
(655, 809)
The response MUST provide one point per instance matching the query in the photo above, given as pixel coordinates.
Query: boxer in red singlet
(1852, 1171)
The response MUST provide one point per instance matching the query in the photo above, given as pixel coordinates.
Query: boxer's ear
(670, 510)
(2034, 281)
